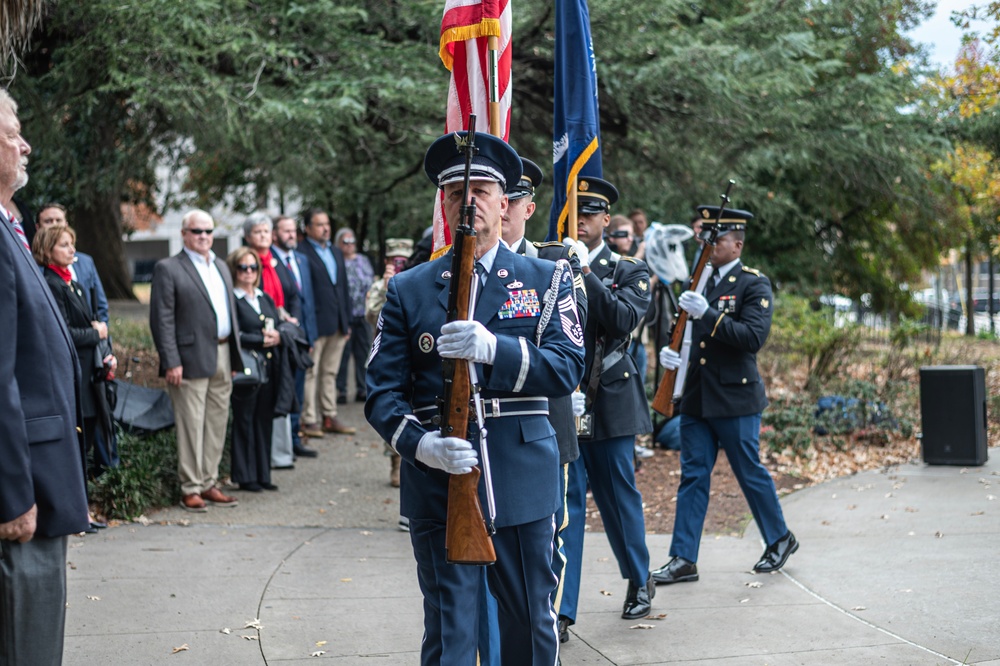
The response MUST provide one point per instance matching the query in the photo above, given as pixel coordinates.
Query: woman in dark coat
(253, 408)
(54, 250)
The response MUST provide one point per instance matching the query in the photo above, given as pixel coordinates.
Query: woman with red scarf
(257, 234)
(54, 248)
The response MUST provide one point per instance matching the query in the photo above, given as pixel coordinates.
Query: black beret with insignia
(733, 219)
(595, 195)
(531, 177)
(494, 160)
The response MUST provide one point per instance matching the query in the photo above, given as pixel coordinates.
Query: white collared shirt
(487, 259)
(283, 257)
(216, 286)
(253, 299)
(723, 270)
(596, 251)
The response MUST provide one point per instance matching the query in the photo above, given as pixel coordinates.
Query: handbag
(254, 369)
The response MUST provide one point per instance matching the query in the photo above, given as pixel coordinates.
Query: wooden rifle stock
(466, 538)
(663, 401)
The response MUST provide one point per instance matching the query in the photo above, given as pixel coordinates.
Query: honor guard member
(616, 410)
(520, 357)
(561, 415)
(722, 401)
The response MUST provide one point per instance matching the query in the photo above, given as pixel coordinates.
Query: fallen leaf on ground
(346, 580)
(318, 653)
(180, 649)
(226, 631)
(93, 598)
(250, 638)
(253, 624)
(365, 533)
(641, 626)
(606, 593)
(743, 601)
(754, 584)
(320, 643)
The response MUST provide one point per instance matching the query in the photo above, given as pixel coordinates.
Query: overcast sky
(941, 35)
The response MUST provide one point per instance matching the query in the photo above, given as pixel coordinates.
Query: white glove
(469, 340)
(670, 359)
(579, 403)
(453, 455)
(694, 303)
(581, 250)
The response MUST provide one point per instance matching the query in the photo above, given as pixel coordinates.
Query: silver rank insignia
(643, 285)
(425, 342)
(515, 285)
(764, 303)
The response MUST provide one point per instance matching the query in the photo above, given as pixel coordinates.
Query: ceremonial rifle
(467, 539)
(663, 401)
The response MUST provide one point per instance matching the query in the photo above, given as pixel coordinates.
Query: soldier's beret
(494, 160)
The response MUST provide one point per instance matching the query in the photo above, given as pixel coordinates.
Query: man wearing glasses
(192, 315)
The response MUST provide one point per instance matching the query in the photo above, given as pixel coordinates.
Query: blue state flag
(576, 133)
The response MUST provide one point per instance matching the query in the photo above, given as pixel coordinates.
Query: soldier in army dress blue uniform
(518, 363)
(722, 401)
(615, 400)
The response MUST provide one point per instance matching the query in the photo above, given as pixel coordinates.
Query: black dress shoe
(638, 600)
(250, 487)
(268, 486)
(283, 467)
(304, 452)
(97, 525)
(776, 554)
(563, 629)
(361, 397)
(341, 399)
(677, 570)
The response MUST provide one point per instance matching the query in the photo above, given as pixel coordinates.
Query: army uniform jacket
(404, 380)
(722, 379)
(618, 296)
(561, 408)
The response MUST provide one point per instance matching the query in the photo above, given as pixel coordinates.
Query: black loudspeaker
(953, 414)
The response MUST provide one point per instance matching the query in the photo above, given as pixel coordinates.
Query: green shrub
(145, 479)
(810, 333)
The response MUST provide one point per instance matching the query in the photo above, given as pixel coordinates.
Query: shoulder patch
(747, 269)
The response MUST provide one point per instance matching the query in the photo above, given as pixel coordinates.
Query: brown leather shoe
(193, 503)
(216, 497)
(333, 424)
(311, 430)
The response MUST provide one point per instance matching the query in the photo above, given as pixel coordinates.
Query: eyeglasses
(348, 241)
(247, 268)
(199, 232)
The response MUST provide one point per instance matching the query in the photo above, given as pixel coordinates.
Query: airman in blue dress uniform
(722, 401)
(617, 297)
(518, 363)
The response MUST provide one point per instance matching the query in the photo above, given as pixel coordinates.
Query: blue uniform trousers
(559, 548)
(700, 442)
(521, 580)
(489, 625)
(608, 466)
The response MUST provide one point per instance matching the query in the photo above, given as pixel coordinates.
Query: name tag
(522, 303)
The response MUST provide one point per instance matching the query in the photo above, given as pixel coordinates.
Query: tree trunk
(970, 310)
(99, 233)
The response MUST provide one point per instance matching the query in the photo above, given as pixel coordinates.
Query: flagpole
(571, 210)
(493, 49)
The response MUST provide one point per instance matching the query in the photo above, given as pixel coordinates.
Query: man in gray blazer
(42, 497)
(192, 315)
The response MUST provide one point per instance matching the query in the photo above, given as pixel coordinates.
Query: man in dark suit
(83, 270)
(42, 496)
(722, 400)
(616, 409)
(296, 281)
(333, 322)
(192, 315)
(520, 209)
(519, 356)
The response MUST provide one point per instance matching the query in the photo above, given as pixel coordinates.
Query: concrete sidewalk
(896, 567)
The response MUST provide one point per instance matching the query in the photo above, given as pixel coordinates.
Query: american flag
(465, 30)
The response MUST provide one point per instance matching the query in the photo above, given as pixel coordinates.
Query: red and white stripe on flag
(465, 30)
